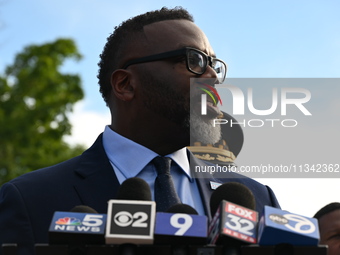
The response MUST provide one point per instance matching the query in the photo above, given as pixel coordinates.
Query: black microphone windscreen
(134, 189)
(182, 208)
(83, 209)
(233, 192)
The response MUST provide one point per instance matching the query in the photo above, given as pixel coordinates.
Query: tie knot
(162, 164)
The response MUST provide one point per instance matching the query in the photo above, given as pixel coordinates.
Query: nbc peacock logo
(70, 221)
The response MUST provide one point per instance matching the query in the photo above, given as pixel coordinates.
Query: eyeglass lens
(198, 63)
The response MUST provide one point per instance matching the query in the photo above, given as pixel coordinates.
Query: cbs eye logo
(125, 219)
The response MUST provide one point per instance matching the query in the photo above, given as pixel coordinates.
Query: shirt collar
(181, 159)
(130, 157)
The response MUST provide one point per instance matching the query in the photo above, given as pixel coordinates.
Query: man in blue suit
(144, 77)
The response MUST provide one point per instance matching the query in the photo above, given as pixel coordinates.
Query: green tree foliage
(35, 98)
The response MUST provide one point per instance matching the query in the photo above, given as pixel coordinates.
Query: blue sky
(257, 39)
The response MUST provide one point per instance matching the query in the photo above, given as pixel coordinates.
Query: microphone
(82, 225)
(281, 232)
(131, 217)
(180, 225)
(182, 208)
(83, 209)
(134, 189)
(233, 192)
(235, 220)
(290, 227)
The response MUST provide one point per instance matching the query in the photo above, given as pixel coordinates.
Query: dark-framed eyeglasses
(196, 61)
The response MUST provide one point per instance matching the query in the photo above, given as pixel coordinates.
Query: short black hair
(123, 34)
(327, 209)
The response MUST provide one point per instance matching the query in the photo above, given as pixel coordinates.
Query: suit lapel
(98, 182)
(204, 180)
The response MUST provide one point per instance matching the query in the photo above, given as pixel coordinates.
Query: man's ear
(121, 84)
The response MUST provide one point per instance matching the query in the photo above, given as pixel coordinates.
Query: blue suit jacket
(28, 202)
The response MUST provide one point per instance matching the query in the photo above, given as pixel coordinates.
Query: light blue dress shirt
(130, 159)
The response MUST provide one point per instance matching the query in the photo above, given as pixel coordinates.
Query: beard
(203, 131)
(161, 98)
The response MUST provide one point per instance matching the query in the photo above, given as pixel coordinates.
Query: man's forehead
(331, 219)
(174, 34)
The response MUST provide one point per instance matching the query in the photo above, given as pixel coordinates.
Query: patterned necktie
(165, 192)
